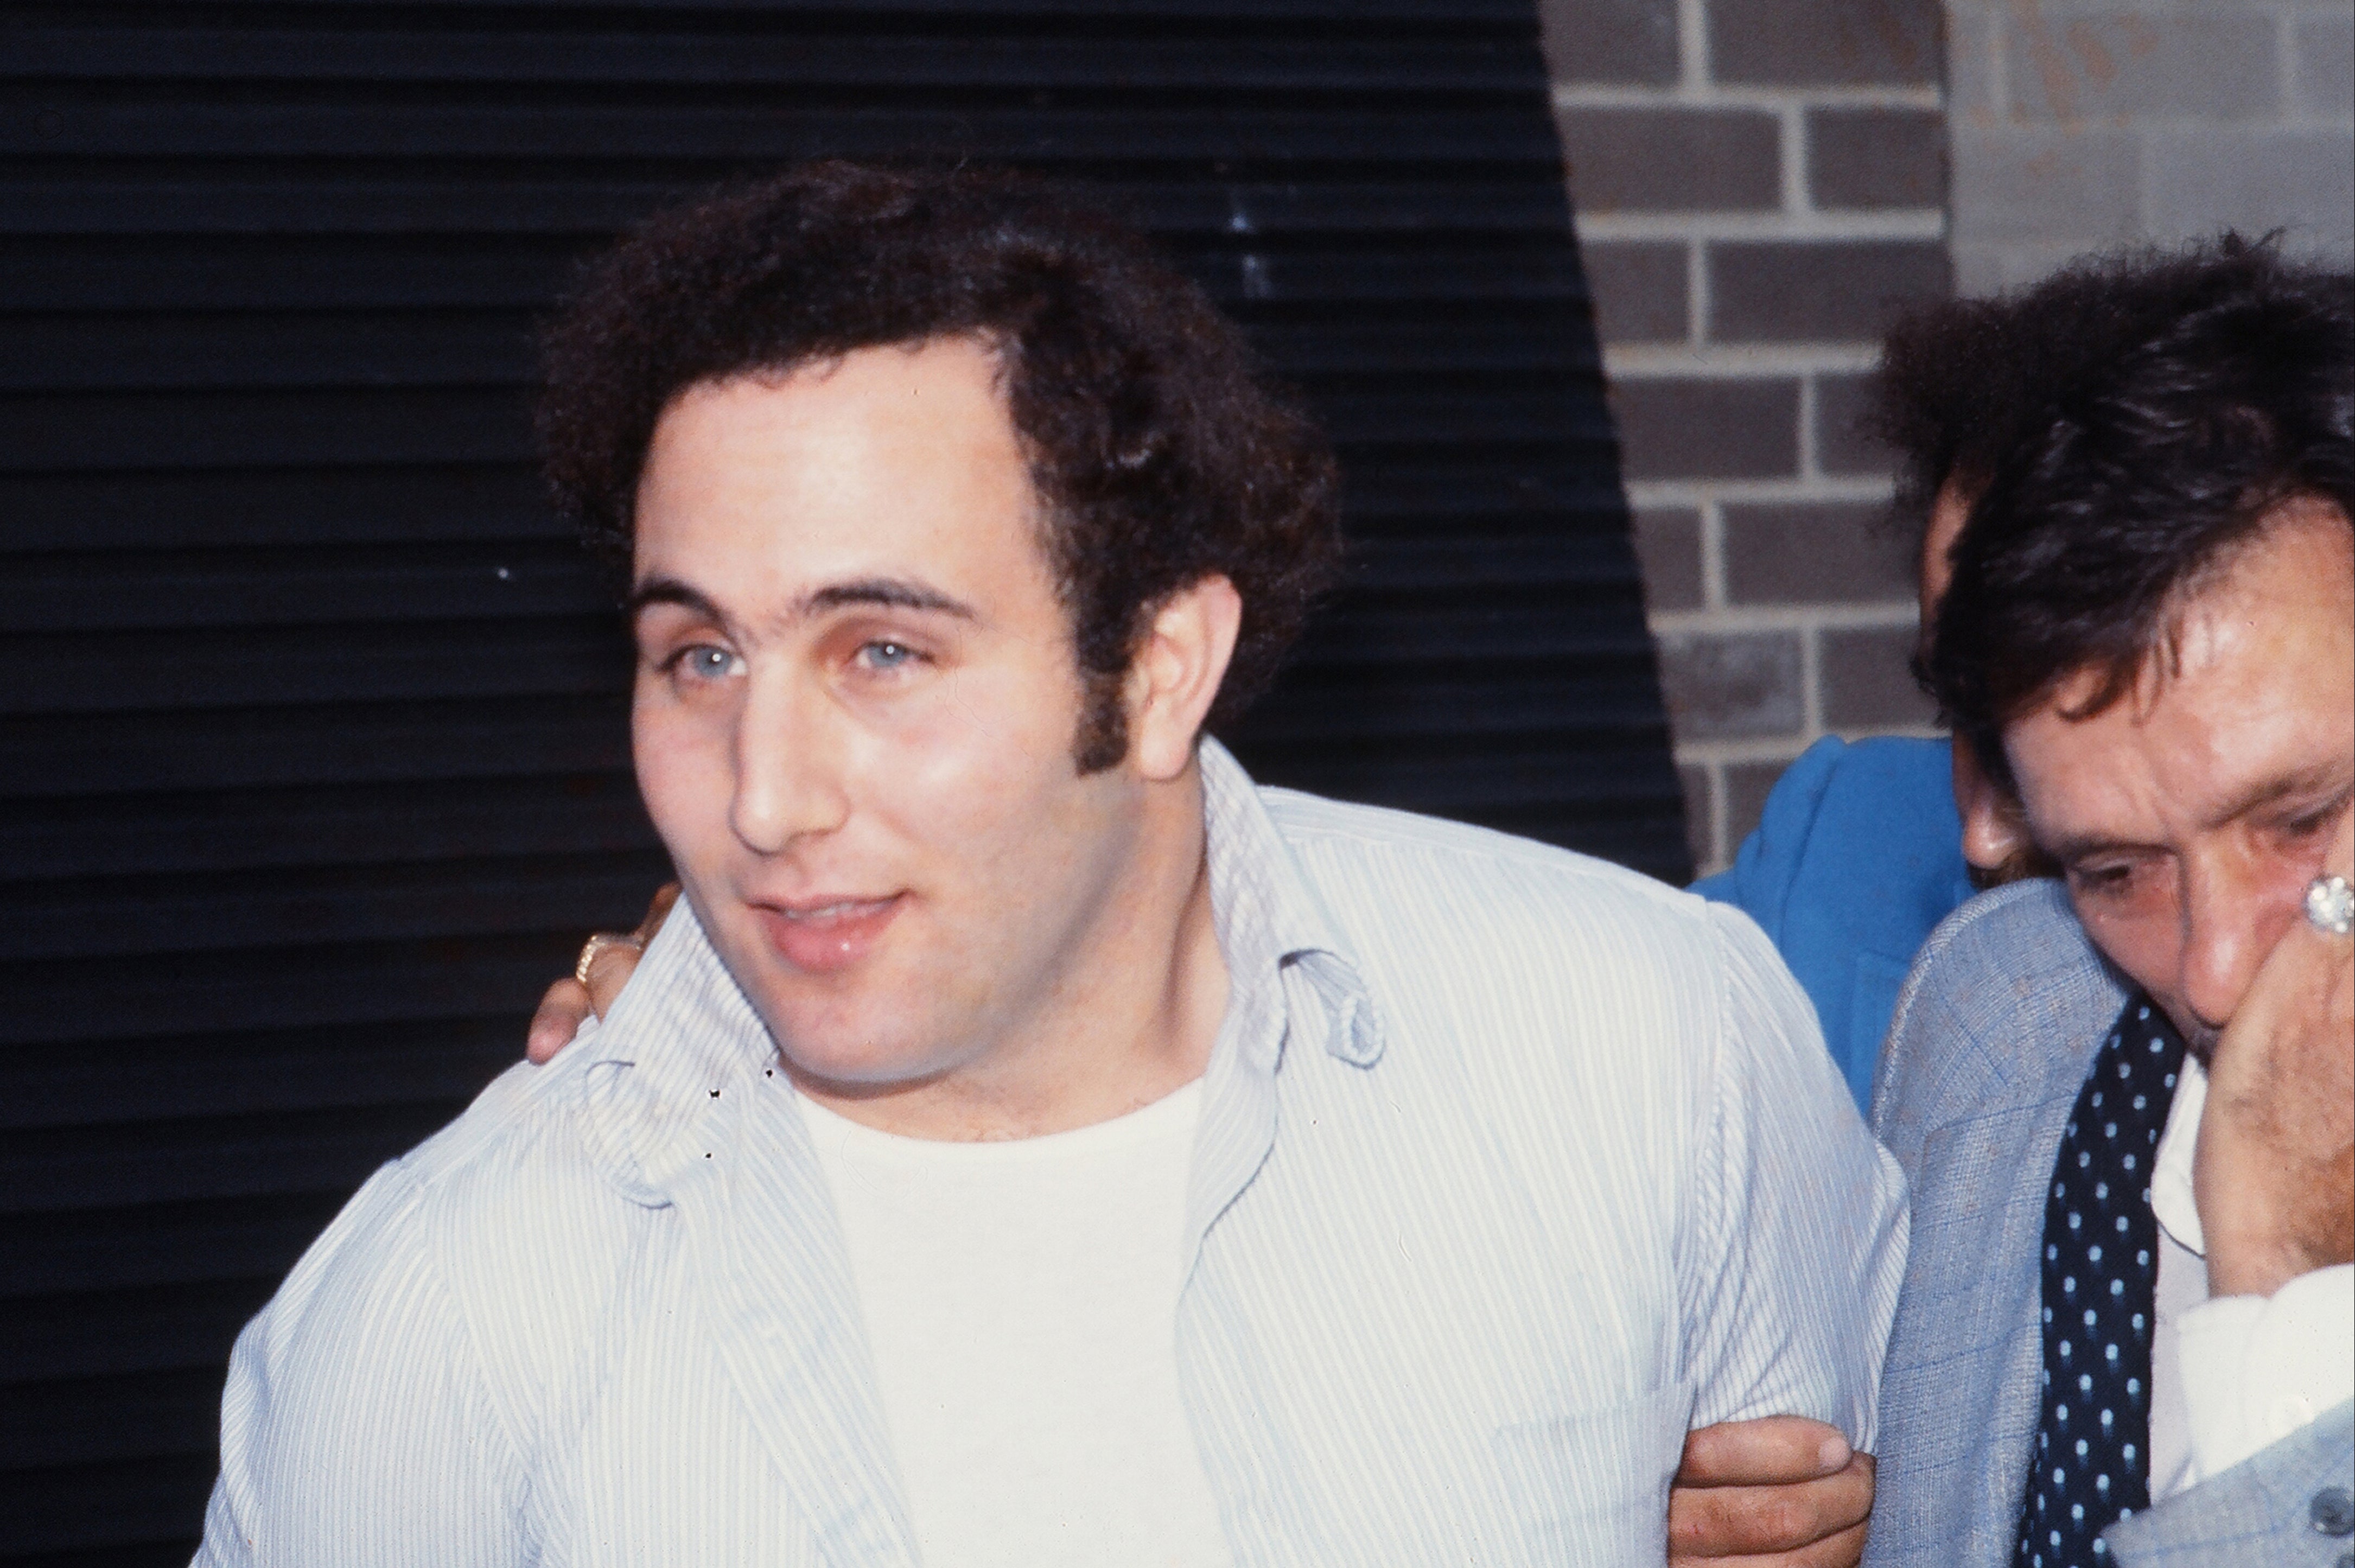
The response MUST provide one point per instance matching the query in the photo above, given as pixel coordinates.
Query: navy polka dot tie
(2092, 1463)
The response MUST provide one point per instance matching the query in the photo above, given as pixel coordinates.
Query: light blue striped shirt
(1513, 1166)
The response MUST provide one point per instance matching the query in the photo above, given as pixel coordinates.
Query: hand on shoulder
(607, 964)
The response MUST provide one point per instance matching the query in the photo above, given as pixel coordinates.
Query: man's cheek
(2130, 942)
(688, 788)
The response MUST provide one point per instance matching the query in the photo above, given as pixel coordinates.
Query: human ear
(1995, 834)
(1176, 673)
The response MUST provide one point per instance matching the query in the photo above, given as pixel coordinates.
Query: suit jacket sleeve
(2275, 1511)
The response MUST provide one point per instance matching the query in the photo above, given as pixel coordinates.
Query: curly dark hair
(2223, 387)
(1961, 382)
(1161, 453)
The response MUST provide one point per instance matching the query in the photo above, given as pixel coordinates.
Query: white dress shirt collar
(2170, 1176)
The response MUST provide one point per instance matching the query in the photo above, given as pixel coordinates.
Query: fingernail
(1833, 1455)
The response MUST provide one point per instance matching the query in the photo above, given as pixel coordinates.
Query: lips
(826, 935)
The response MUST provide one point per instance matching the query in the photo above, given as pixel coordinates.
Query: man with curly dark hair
(1028, 1141)
(2124, 1097)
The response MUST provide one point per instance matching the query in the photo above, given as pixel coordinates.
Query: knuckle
(1786, 1523)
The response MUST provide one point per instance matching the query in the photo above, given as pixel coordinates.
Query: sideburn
(1101, 739)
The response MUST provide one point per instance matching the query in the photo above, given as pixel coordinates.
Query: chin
(853, 1074)
(850, 1050)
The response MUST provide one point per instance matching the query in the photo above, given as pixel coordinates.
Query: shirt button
(2332, 1511)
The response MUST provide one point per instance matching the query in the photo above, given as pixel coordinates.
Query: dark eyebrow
(891, 592)
(2069, 851)
(670, 590)
(2326, 778)
(2308, 781)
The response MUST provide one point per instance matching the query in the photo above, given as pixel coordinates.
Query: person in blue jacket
(1856, 859)
(1860, 852)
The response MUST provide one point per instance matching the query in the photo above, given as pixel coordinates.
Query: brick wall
(1758, 183)
(2077, 125)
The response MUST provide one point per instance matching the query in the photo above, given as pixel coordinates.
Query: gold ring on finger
(596, 945)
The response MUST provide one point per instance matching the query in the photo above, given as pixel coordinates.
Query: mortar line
(1692, 45)
(1697, 286)
(1791, 142)
(1713, 555)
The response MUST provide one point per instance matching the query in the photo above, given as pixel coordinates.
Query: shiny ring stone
(2330, 905)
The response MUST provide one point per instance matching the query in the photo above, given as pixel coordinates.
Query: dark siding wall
(312, 763)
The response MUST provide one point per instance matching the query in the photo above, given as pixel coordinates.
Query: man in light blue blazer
(1992, 1042)
(2124, 1101)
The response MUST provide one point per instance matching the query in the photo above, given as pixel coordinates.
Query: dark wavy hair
(2223, 388)
(1159, 450)
(1961, 381)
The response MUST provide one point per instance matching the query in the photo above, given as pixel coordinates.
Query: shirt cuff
(2257, 1369)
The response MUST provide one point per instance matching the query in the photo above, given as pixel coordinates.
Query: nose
(2233, 914)
(789, 783)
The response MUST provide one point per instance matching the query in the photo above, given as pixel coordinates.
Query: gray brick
(1672, 160)
(1639, 291)
(2256, 181)
(1629, 41)
(1841, 403)
(1738, 686)
(1876, 158)
(1698, 814)
(2163, 66)
(1747, 785)
(1814, 552)
(1671, 429)
(2323, 52)
(1971, 36)
(1817, 291)
(1668, 541)
(2264, 9)
(1866, 682)
(1800, 43)
(2043, 187)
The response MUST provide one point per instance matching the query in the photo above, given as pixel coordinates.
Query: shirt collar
(1270, 919)
(704, 1034)
(680, 1036)
(2171, 1199)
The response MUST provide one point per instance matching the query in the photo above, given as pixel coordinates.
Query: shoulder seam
(1467, 841)
(510, 1418)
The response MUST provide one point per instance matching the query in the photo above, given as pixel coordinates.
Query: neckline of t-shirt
(1173, 1113)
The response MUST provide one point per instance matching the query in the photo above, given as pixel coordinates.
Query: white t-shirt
(1021, 1302)
(2233, 1374)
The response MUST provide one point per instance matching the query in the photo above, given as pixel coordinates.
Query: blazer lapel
(1994, 1034)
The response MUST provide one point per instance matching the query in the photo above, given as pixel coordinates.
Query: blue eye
(886, 655)
(705, 662)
